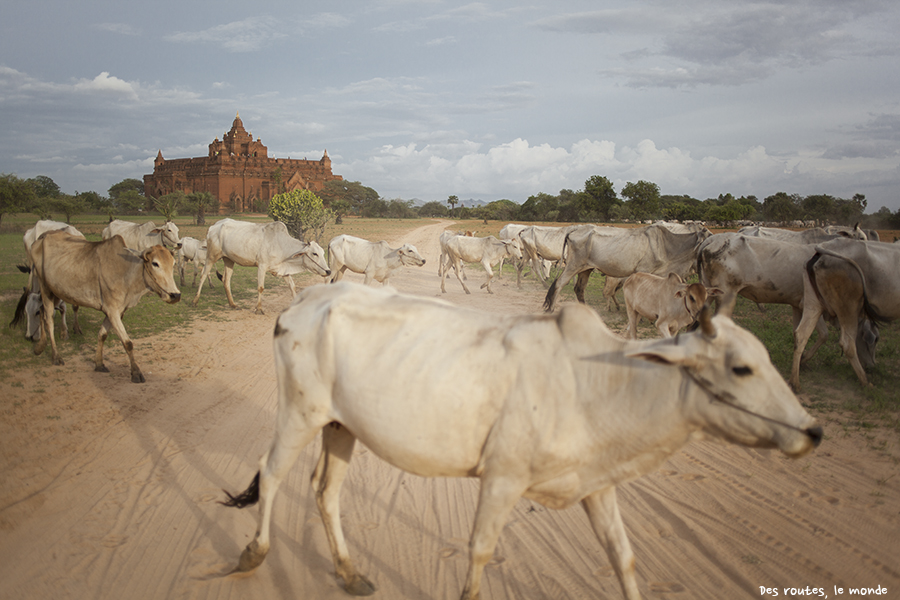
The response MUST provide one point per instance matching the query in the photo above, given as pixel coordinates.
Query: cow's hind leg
(581, 284)
(603, 513)
(497, 497)
(76, 327)
(337, 450)
(226, 281)
(292, 433)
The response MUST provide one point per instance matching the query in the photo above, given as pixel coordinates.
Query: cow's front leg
(119, 328)
(337, 450)
(603, 513)
(490, 275)
(497, 497)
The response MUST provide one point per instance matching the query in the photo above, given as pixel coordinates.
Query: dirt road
(108, 490)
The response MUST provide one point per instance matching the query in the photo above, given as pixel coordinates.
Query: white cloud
(248, 35)
(120, 28)
(103, 83)
(518, 169)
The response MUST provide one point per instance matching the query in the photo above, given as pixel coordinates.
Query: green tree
(643, 199)
(376, 207)
(69, 205)
(198, 203)
(681, 208)
(358, 195)
(500, 210)
(44, 187)
(730, 211)
(303, 213)
(93, 200)
(124, 186)
(169, 204)
(781, 207)
(433, 209)
(129, 201)
(818, 207)
(602, 197)
(401, 209)
(341, 208)
(16, 195)
(452, 201)
(540, 207)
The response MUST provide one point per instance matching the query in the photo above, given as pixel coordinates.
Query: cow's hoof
(58, 361)
(251, 558)
(101, 369)
(360, 586)
(137, 377)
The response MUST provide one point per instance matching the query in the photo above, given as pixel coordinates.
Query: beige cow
(669, 302)
(105, 276)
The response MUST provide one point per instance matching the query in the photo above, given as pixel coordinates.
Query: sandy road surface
(108, 490)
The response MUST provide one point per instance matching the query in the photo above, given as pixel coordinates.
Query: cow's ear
(714, 292)
(146, 254)
(157, 230)
(666, 352)
(680, 293)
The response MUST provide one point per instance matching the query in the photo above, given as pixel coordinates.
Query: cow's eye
(742, 371)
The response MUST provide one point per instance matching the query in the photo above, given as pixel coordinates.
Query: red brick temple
(238, 172)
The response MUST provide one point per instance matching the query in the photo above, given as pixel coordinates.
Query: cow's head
(741, 397)
(159, 267)
(409, 256)
(313, 258)
(512, 248)
(169, 233)
(29, 308)
(694, 296)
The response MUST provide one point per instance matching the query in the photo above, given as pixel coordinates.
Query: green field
(828, 381)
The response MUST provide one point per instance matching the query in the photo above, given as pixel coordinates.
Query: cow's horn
(706, 325)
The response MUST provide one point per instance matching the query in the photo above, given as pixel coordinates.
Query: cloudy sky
(485, 100)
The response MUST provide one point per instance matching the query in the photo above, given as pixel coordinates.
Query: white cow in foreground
(669, 302)
(555, 408)
(488, 251)
(192, 251)
(141, 236)
(375, 260)
(267, 246)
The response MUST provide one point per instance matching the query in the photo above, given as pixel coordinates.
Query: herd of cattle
(425, 387)
(834, 273)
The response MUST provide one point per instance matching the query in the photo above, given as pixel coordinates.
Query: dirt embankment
(108, 490)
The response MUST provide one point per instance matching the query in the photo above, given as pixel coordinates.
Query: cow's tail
(20, 308)
(248, 497)
(551, 293)
(220, 276)
(24, 268)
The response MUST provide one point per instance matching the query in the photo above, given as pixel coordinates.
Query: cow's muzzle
(815, 434)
